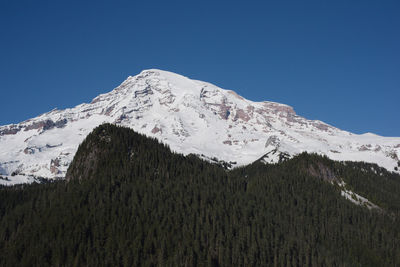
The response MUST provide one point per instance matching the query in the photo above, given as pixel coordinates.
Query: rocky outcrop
(46, 125)
(54, 165)
(29, 150)
(13, 129)
(108, 110)
(363, 148)
(144, 92)
(61, 123)
(279, 108)
(321, 126)
(242, 115)
(323, 172)
(156, 130)
(272, 141)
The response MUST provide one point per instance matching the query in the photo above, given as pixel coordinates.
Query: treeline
(130, 201)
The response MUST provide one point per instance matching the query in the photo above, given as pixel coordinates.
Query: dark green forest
(129, 201)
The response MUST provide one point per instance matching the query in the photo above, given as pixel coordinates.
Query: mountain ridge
(192, 117)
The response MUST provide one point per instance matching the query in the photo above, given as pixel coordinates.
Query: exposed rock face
(363, 148)
(35, 125)
(272, 141)
(29, 150)
(12, 129)
(323, 172)
(61, 123)
(321, 126)
(277, 108)
(242, 115)
(145, 92)
(54, 165)
(156, 130)
(191, 117)
(45, 125)
(393, 155)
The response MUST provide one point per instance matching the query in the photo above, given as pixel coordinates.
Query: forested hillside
(129, 201)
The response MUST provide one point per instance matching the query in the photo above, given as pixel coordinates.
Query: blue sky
(336, 61)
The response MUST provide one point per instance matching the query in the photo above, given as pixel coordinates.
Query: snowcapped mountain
(192, 117)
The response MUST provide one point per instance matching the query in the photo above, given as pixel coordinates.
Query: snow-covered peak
(192, 117)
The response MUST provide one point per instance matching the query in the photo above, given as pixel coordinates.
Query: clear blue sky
(336, 61)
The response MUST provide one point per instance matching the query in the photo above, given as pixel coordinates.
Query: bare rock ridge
(192, 117)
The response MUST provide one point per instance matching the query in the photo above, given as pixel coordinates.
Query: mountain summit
(192, 117)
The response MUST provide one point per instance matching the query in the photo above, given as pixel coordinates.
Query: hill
(129, 201)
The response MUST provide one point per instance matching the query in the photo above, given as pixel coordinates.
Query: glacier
(192, 117)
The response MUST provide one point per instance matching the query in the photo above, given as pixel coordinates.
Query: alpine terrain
(192, 117)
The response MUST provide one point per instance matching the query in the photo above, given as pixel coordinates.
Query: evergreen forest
(128, 200)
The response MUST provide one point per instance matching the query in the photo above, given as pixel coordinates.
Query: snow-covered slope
(192, 117)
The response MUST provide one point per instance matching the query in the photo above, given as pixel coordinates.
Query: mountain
(129, 201)
(192, 117)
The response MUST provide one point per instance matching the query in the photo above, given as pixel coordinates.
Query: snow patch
(356, 198)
